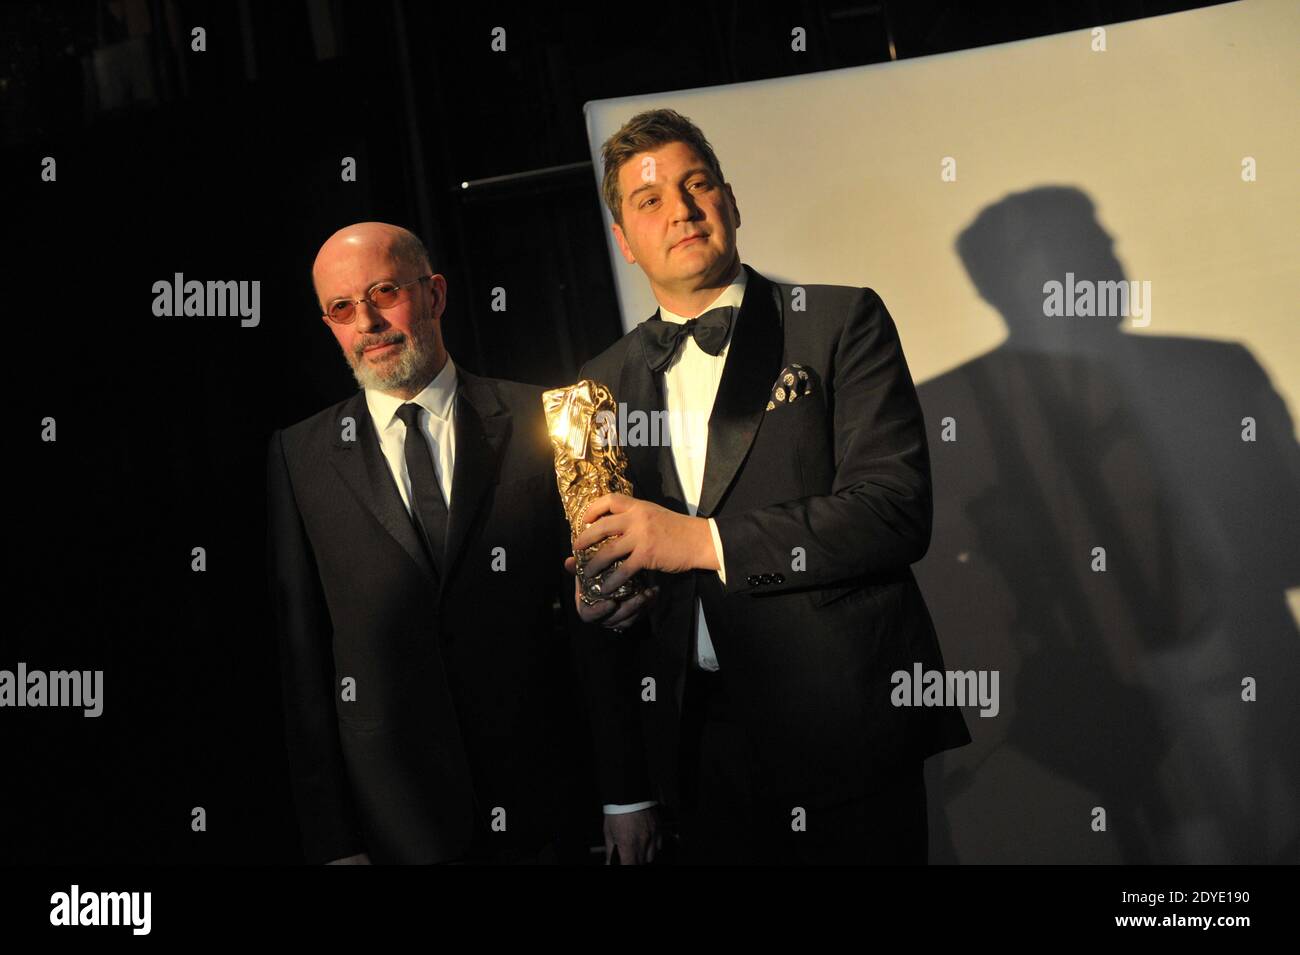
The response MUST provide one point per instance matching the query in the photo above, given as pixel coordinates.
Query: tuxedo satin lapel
(650, 467)
(362, 466)
(482, 426)
(753, 362)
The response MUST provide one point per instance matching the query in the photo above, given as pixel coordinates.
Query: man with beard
(413, 537)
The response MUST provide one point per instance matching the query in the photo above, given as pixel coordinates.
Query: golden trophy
(589, 463)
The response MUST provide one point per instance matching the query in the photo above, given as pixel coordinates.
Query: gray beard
(408, 369)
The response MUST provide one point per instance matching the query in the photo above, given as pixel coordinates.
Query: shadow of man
(1107, 538)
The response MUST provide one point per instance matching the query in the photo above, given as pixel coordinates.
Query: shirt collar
(436, 398)
(732, 295)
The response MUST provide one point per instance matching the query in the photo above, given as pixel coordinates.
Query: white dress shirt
(438, 421)
(691, 385)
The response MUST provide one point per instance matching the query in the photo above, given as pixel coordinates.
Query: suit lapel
(482, 427)
(753, 362)
(651, 468)
(362, 466)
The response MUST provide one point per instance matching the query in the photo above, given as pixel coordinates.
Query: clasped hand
(644, 536)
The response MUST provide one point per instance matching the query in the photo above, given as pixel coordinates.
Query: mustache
(382, 340)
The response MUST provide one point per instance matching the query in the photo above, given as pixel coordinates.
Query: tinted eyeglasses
(343, 311)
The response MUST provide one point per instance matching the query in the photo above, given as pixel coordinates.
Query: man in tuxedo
(782, 519)
(413, 537)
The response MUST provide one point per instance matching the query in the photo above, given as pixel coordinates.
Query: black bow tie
(659, 339)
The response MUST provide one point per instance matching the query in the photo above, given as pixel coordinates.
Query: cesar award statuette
(589, 463)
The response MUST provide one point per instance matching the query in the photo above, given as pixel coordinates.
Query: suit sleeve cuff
(612, 809)
(717, 549)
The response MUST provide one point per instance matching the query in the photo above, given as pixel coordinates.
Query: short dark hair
(645, 131)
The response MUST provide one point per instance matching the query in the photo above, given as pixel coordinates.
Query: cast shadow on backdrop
(1120, 689)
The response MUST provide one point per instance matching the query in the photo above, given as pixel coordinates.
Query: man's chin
(383, 374)
(690, 278)
(369, 376)
(697, 259)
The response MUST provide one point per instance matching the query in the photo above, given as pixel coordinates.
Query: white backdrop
(837, 174)
(1122, 689)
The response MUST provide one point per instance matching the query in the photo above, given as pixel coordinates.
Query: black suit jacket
(463, 692)
(842, 473)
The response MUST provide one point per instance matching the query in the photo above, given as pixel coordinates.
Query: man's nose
(368, 316)
(685, 208)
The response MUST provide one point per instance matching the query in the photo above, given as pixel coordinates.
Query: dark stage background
(226, 165)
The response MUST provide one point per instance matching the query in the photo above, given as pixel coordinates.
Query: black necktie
(428, 508)
(659, 339)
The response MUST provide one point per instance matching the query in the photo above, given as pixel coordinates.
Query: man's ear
(438, 290)
(734, 207)
(623, 247)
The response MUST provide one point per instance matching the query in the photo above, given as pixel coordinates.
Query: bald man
(414, 544)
